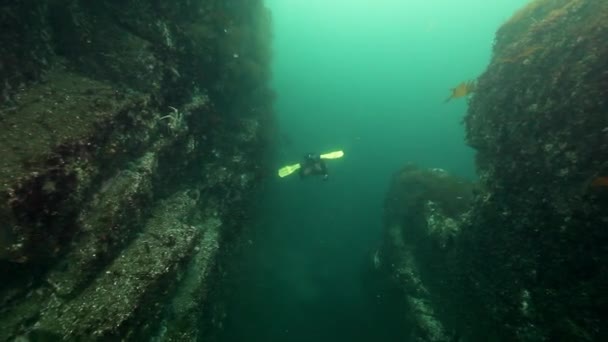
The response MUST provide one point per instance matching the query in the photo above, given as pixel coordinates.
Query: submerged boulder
(424, 211)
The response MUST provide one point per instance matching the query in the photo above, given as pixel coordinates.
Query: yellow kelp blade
(289, 169)
(333, 155)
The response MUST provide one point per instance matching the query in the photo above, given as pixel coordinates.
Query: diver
(311, 165)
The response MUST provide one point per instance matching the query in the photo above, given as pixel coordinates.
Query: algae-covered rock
(527, 262)
(424, 211)
(129, 140)
(186, 308)
(57, 137)
(536, 238)
(108, 222)
(120, 300)
(428, 203)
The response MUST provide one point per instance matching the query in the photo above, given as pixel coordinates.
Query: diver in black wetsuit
(313, 165)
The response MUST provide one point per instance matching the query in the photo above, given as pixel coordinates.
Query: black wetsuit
(313, 165)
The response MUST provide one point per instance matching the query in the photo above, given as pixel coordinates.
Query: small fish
(461, 90)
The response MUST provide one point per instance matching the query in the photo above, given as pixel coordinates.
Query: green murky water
(369, 78)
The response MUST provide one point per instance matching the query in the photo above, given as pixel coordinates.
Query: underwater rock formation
(130, 135)
(528, 261)
(424, 211)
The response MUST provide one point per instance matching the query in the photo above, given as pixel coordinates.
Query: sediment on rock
(424, 210)
(130, 138)
(538, 122)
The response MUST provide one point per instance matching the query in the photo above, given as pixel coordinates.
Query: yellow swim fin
(332, 155)
(289, 169)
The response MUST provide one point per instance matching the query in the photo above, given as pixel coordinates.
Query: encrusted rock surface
(424, 210)
(539, 123)
(110, 304)
(527, 260)
(130, 135)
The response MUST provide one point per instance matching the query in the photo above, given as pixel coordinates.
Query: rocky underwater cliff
(131, 134)
(522, 255)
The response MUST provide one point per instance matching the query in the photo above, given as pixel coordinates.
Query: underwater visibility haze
(369, 78)
(304, 170)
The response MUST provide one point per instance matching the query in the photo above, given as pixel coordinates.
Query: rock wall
(529, 260)
(423, 214)
(130, 135)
